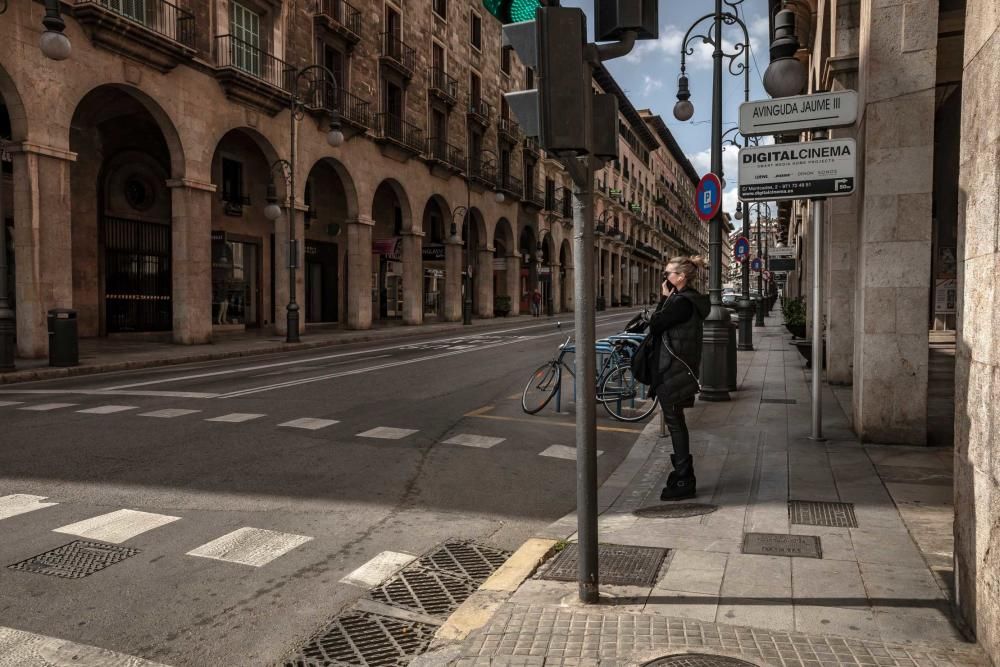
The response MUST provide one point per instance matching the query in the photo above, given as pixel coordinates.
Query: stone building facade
(913, 252)
(138, 170)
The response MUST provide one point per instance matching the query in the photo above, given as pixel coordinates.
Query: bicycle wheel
(624, 397)
(541, 387)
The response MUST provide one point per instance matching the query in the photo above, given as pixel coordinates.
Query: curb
(479, 608)
(48, 373)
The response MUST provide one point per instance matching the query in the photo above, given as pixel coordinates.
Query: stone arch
(477, 250)
(566, 253)
(345, 183)
(566, 275)
(436, 226)
(105, 106)
(506, 279)
(392, 217)
(262, 143)
(16, 114)
(527, 249)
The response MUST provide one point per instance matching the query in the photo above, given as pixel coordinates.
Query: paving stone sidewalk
(878, 595)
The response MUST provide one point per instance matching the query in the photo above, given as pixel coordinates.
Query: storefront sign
(783, 251)
(797, 171)
(433, 252)
(781, 263)
(801, 112)
(499, 264)
(218, 235)
(945, 297)
(389, 248)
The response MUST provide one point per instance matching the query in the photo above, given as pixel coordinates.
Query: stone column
(359, 272)
(453, 281)
(191, 261)
(977, 364)
(899, 44)
(484, 283)
(43, 248)
(280, 269)
(514, 282)
(413, 277)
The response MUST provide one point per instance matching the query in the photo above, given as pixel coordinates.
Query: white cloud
(650, 84)
(667, 45)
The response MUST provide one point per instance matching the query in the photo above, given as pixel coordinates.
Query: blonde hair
(689, 266)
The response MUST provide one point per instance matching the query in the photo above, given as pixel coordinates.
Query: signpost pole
(817, 310)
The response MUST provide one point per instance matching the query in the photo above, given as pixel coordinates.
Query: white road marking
(481, 441)
(563, 452)
(250, 546)
(108, 409)
(27, 648)
(169, 413)
(310, 423)
(117, 527)
(312, 360)
(45, 407)
(110, 392)
(236, 418)
(21, 503)
(4, 404)
(387, 433)
(378, 569)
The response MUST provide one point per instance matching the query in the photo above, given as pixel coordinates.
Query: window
(505, 59)
(477, 31)
(244, 26)
(232, 181)
(437, 57)
(440, 8)
(529, 78)
(475, 91)
(550, 194)
(334, 61)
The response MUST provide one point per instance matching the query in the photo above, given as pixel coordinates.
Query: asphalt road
(341, 452)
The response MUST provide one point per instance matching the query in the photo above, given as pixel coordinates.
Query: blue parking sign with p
(708, 197)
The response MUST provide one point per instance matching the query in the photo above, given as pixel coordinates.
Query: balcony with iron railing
(396, 54)
(534, 197)
(157, 33)
(395, 132)
(508, 130)
(480, 111)
(340, 17)
(511, 185)
(444, 86)
(482, 170)
(350, 108)
(252, 75)
(443, 154)
(531, 146)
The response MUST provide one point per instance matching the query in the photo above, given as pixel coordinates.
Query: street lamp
(785, 75)
(53, 42)
(321, 80)
(473, 168)
(715, 380)
(760, 274)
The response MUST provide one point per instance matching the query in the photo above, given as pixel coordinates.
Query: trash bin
(600, 303)
(64, 341)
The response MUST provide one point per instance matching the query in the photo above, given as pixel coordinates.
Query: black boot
(681, 481)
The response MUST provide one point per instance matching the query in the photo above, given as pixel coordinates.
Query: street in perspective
(521, 333)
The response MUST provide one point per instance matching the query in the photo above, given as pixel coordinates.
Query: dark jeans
(673, 416)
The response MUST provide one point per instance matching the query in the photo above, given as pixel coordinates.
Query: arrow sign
(741, 249)
(708, 197)
(757, 264)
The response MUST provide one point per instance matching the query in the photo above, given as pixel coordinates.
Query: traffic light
(512, 11)
(558, 112)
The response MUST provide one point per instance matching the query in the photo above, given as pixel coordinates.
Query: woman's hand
(666, 288)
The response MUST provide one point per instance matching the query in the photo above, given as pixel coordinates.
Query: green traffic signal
(512, 11)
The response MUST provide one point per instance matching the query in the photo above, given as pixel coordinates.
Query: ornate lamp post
(465, 212)
(6, 312)
(53, 43)
(760, 274)
(321, 80)
(714, 358)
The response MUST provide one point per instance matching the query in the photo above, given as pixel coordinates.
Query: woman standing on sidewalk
(677, 324)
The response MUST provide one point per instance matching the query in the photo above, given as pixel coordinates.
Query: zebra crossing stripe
(310, 423)
(387, 433)
(378, 569)
(117, 527)
(169, 413)
(45, 407)
(107, 409)
(250, 546)
(236, 418)
(4, 404)
(480, 441)
(27, 648)
(563, 452)
(21, 503)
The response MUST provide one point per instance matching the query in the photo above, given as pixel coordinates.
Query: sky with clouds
(649, 76)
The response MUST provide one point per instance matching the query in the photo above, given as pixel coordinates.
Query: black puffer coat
(675, 382)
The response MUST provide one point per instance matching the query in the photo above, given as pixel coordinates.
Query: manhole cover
(426, 591)
(75, 560)
(365, 639)
(769, 544)
(810, 513)
(779, 401)
(617, 564)
(698, 660)
(465, 559)
(675, 511)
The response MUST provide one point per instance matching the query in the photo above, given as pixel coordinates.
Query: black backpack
(644, 360)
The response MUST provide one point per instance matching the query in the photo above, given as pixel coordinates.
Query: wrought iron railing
(511, 184)
(342, 12)
(481, 109)
(531, 145)
(509, 128)
(162, 17)
(443, 82)
(234, 52)
(439, 149)
(349, 106)
(483, 170)
(398, 51)
(396, 129)
(535, 195)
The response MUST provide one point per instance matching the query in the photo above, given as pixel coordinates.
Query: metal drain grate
(465, 559)
(75, 560)
(366, 640)
(675, 511)
(769, 544)
(698, 660)
(779, 401)
(426, 591)
(617, 564)
(810, 513)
